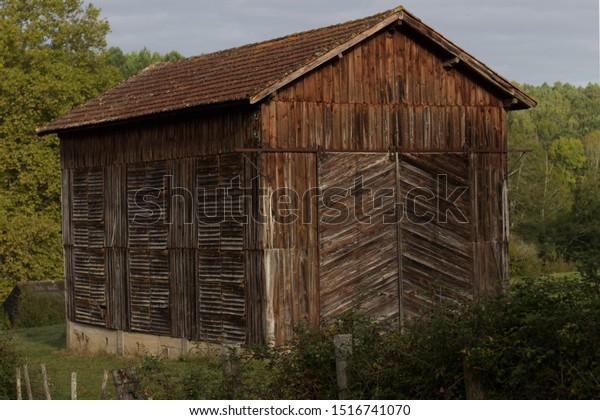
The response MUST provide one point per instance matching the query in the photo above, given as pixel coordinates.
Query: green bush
(10, 359)
(305, 369)
(39, 309)
(524, 259)
(201, 376)
(538, 341)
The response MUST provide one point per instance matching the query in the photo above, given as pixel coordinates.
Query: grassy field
(47, 345)
(194, 377)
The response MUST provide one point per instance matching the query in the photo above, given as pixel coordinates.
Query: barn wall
(436, 231)
(391, 90)
(490, 223)
(418, 126)
(199, 134)
(358, 235)
(180, 272)
(289, 241)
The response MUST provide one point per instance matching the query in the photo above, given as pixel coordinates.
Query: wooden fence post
(229, 353)
(18, 375)
(27, 382)
(73, 385)
(45, 382)
(473, 388)
(104, 382)
(343, 354)
(127, 385)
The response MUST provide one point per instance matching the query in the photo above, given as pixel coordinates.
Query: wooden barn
(228, 196)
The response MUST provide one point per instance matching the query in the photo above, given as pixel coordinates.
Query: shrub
(201, 376)
(10, 359)
(538, 341)
(39, 309)
(305, 369)
(524, 259)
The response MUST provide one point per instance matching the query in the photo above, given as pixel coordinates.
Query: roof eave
(523, 101)
(91, 125)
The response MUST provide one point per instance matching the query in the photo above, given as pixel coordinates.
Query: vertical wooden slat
(221, 304)
(148, 258)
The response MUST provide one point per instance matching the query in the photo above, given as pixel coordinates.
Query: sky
(527, 41)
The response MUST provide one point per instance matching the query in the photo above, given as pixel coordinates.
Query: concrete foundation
(88, 338)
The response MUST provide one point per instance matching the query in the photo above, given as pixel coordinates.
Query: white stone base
(88, 338)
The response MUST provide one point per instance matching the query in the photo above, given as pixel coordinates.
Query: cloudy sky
(529, 41)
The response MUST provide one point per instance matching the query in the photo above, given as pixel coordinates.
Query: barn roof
(249, 73)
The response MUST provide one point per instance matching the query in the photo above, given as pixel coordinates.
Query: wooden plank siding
(357, 232)
(490, 223)
(289, 242)
(447, 133)
(221, 259)
(392, 90)
(435, 230)
(136, 256)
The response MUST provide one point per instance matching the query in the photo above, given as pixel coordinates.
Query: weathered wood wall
(289, 239)
(151, 242)
(443, 131)
(357, 232)
(390, 90)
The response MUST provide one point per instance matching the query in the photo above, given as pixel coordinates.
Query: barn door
(435, 230)
(389, 260)
(358, 235)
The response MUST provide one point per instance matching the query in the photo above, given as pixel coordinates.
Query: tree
(135, 61)
(578, 234)
(563, 136)
(52, 58)
(568, 154)
(539, 195)
(592, 149)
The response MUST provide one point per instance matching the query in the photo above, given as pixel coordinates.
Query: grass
(194, 377)
(48, 345)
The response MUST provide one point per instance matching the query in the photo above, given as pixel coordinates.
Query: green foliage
(568, 154)
(38, 309)
(579, 234)
(51, 59)
(524, 258)
(306, 368)
(207, 378)
(563, 134)
(135, 61)
(10, 359)
(539, 341)
(592, 150)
